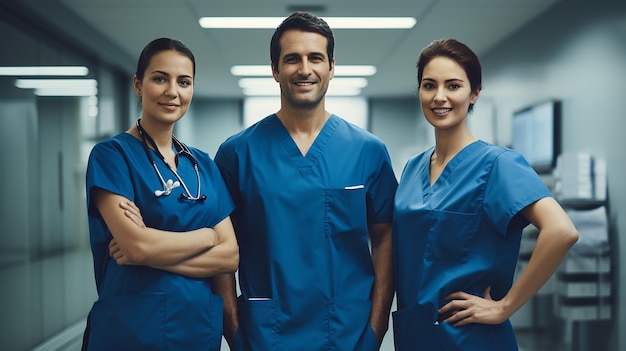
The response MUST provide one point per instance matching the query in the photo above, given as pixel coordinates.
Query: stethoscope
(168, 186)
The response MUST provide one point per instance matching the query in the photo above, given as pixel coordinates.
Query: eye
(159, 79)
(185, 82)
(428, 85)
(454, 86)
(290, 59)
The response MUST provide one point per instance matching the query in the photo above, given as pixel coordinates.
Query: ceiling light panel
(44, 71)
(266, 70)
(333, 22)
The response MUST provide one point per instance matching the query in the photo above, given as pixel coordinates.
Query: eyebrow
(167, 74)
(315, 53)
(446, 81)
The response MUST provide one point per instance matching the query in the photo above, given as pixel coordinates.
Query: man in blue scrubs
(312, 193)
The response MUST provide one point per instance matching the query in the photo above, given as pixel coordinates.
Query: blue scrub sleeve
(512, 185)
(382, 190)
(224, 204)
(226, 161)
(108, 169)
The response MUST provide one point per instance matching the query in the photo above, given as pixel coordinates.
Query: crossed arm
(197, 253)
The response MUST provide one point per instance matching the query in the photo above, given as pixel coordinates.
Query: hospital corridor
(551, 90)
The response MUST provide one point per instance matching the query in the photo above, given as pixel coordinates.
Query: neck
(303, 121)
(160, 134)
(449, 144)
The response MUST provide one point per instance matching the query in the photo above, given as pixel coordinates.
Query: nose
(172, 89)
(305, 68)
(441, 95)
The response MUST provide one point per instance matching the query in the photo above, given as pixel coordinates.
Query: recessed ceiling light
(266, 70)
(59, 87)
(333, 22)
(269, 87)
(44, 71)
(55, 83)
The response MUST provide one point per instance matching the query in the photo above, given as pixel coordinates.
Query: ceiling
(130, 24)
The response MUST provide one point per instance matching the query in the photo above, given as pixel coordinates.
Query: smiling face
(304, 70)
(167, 87)
(445, 93)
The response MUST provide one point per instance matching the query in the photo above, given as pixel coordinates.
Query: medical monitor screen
(536, 134)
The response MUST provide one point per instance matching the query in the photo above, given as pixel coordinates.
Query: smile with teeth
(441, 110)
(302, 84)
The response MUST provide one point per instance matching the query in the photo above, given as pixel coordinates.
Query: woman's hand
(465, 308)
(132, 211)
(134, 214)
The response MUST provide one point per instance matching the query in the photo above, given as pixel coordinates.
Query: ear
(274, 72)
(136, 85)
(332, 68)
(475, 94)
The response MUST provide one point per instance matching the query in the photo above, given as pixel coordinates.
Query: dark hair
(457, 51)
(306, 22)
(158, 45)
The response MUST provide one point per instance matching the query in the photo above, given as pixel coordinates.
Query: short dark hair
(306, 22)
(158, 45)
(457, 51)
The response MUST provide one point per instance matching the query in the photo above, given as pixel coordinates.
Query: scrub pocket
(259, 321)
(345, 212)
(368, 341)
(450, 236)
(417, 326)
(133, 322)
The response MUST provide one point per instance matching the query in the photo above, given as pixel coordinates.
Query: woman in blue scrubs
(159, 222)
(459, 212)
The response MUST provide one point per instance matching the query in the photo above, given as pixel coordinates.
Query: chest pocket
(450, 235)
(345, 212)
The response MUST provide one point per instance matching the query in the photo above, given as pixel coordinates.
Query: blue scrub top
(138, 307)
(302, 224)
(460, 234)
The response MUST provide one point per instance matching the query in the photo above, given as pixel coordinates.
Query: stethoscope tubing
(169, 185)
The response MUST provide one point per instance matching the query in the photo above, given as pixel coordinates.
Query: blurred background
(552, 71)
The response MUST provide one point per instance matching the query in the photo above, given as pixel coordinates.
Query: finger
(137, 220)
(459, 295)
(487, 293)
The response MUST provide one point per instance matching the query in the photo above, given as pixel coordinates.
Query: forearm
(162, 248)
(225, 286)
(550, 250)
(382, 289)
(222, 258)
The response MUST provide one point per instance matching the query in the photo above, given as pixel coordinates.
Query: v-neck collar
(449, 167)
(305, 162)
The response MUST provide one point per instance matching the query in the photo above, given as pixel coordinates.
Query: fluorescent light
(59, 87)
(355, 70)
(90, 91)
(251, 70)
(333, 22)
(44, 71)
(269, 87)
(356, 82)
(55, 83)
(266, 70)
(371, 22)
